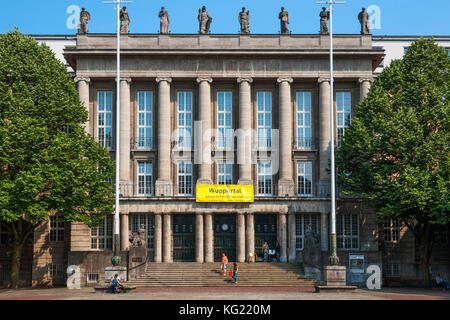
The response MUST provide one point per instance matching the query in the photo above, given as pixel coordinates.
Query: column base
(286, 188)
(163, 188)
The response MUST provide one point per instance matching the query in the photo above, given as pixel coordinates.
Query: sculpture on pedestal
(312, 255)
(84, 20)
(124, 21)
(139, 239)
(284, 21)
(244, 20)
(204, 20)
(164, 18)
(324, 17)
(363, 18)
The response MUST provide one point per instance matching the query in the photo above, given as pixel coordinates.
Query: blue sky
(398, 17)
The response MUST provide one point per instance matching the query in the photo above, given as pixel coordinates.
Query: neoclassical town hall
(274, 84)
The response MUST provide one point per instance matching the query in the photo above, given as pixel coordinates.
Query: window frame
(342, 237)
(307, 165)
(224, 141)
(56, 228)
(146, 176)
(145, 141)
(346, 115)
(103, 139)
(300, 228)
(226, 174)
(265, 172)
(304, 142)
(183, 163)
(108, 226)
(264, 131)
(182, 143)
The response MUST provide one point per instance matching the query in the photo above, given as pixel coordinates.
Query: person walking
(235, 272)
(223, 265)
(265, 249)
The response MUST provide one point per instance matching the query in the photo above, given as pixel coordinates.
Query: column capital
(201, 79)
(167, 79)
(285, 79)
(85, 79)
(321, 80)
(361, 80)
(244, 79)
(127, 79)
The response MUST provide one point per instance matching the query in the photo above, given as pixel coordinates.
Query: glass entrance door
(225, 237)
(265, 230)
(183, 238)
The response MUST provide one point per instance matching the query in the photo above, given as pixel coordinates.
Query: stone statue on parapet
(164, 18)
(139, 239)
(244, 20)
(124, 21)
(324, 17)
(284, 21)
(204, 20)
(363, 18)
(84, 20)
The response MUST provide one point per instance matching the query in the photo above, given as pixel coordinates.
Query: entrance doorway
(183, 238)
(224, 237)
(265, 230)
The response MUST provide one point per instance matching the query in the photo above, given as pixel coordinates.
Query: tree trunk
(15, 263)
(425, 248)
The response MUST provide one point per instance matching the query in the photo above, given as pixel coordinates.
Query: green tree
(396, 151)
(48, 164)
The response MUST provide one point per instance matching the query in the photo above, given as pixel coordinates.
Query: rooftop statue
(124, 21)
(363, 18)
(164, 16)
(284, 21)
(204, 20)
(244, 20)
(324, 17)
(84, 20)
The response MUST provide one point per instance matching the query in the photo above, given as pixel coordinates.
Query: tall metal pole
(116, 258)
(334, 259)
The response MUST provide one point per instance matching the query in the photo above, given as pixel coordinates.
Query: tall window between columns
(304, 179)
(303, 120)
(347, 231)
(224, 172)
(265, 178)
(184, 99)
(343, 112)
(145, 178)
(101, 236)
(148, 220)
(184, 178)
(264, 126)
(302, 223)
(145, 119)
(56, 229)
(105, 119)
(224, 120)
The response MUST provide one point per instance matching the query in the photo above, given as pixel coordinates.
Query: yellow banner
(225, 193)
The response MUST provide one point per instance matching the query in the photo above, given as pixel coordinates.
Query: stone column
(167, 239)
(163, 184)
(240, 237)
(324, 231)
(209, 238)
(364, 85)
(244, 132)
(83, 92)
(205, 139)
(199, 240)
(158, 238)
(324, 137)
(283, 237)
(285, 182)
(124, 232)
(250, 233)
(125, 130)
(292, 238)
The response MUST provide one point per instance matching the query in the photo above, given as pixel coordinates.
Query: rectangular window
(304, 179)
(148, 220)
(224, 120)
(145, 178)
(5, 237)
(347, 231)
(440, 235)
(304, 120)
(92, 277)
(145, 119)
(101, 237)
(184, 100)
(302, 223)
(56, 229)
(392, 270)
(105, 119)
(264, 178)
(344, 109)
(185, 178)
(56, 271)
(224, 173)
(392, 230)
(264, 126)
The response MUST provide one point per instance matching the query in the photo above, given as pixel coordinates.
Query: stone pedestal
(334, 275)
(137, 261)
(111, 271)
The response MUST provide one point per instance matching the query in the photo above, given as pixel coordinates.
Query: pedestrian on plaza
(265, 249)
(224, 263)
(114, 283)
(235, 272)
(277, 250)
(441, 282)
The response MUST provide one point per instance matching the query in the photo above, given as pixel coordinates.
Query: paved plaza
(188, 293)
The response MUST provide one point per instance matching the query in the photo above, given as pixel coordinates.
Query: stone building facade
(276, 85)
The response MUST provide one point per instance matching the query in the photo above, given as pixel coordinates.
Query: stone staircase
(191, 274)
